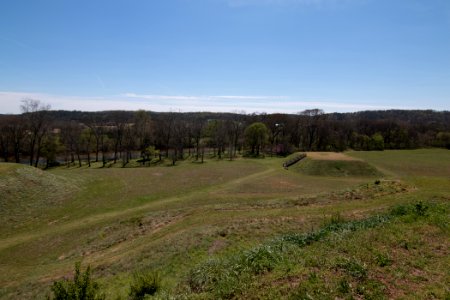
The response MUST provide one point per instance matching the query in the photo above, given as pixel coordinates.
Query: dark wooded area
(42, 135)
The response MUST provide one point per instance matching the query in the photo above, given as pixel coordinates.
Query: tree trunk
(17, 152)
(38, 154)
(32, 152)
(115, 153)
(96, 150)
(5, 151)
(196, 151)
(79, 159)
(203, 153)
(103, 156)
(174, 157)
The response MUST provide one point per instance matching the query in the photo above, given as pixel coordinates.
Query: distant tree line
(43, 136)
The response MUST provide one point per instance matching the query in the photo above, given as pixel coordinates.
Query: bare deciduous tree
(37, 123)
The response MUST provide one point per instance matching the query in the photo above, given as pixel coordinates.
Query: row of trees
(39, 134)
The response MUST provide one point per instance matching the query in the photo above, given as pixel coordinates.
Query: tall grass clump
(336, 225)
(226, 277)
(145, 283)
(82, 287)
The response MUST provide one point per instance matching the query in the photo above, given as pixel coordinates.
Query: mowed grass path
(169, 218)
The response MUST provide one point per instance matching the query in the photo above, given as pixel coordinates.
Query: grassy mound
(25, 190)
(336, 168)
(24, 182)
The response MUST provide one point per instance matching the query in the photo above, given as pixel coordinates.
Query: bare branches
(37, 124)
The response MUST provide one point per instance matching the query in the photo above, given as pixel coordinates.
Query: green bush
(420, 208)
(144, 283)
(400, 210)
(82, 287)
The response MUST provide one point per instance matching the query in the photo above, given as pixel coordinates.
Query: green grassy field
(178, 220)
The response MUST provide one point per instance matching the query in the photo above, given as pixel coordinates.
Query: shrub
(399, 210)
(82, 287)
(417, 209)
(144, 283)
(420, 209)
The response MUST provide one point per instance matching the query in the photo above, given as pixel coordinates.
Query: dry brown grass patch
(330, 156)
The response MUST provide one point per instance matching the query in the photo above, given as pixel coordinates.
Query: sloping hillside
(26, 190)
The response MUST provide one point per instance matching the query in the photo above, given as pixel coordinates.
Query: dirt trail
(245, 178)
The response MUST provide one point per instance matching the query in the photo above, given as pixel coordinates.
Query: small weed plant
(383, 260)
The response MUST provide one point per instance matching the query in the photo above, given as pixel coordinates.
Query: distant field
(174, 219)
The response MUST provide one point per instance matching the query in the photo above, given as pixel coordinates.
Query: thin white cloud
(270, 103)
(10, 103)
(250, 97)
(176, 97)
(158, 97)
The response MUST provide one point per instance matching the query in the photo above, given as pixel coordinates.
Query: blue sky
(226, 55)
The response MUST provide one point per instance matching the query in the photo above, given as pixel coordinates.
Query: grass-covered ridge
(173, 220)
(263, 271)
(226, 277)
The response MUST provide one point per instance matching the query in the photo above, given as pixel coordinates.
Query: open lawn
(181, 219)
